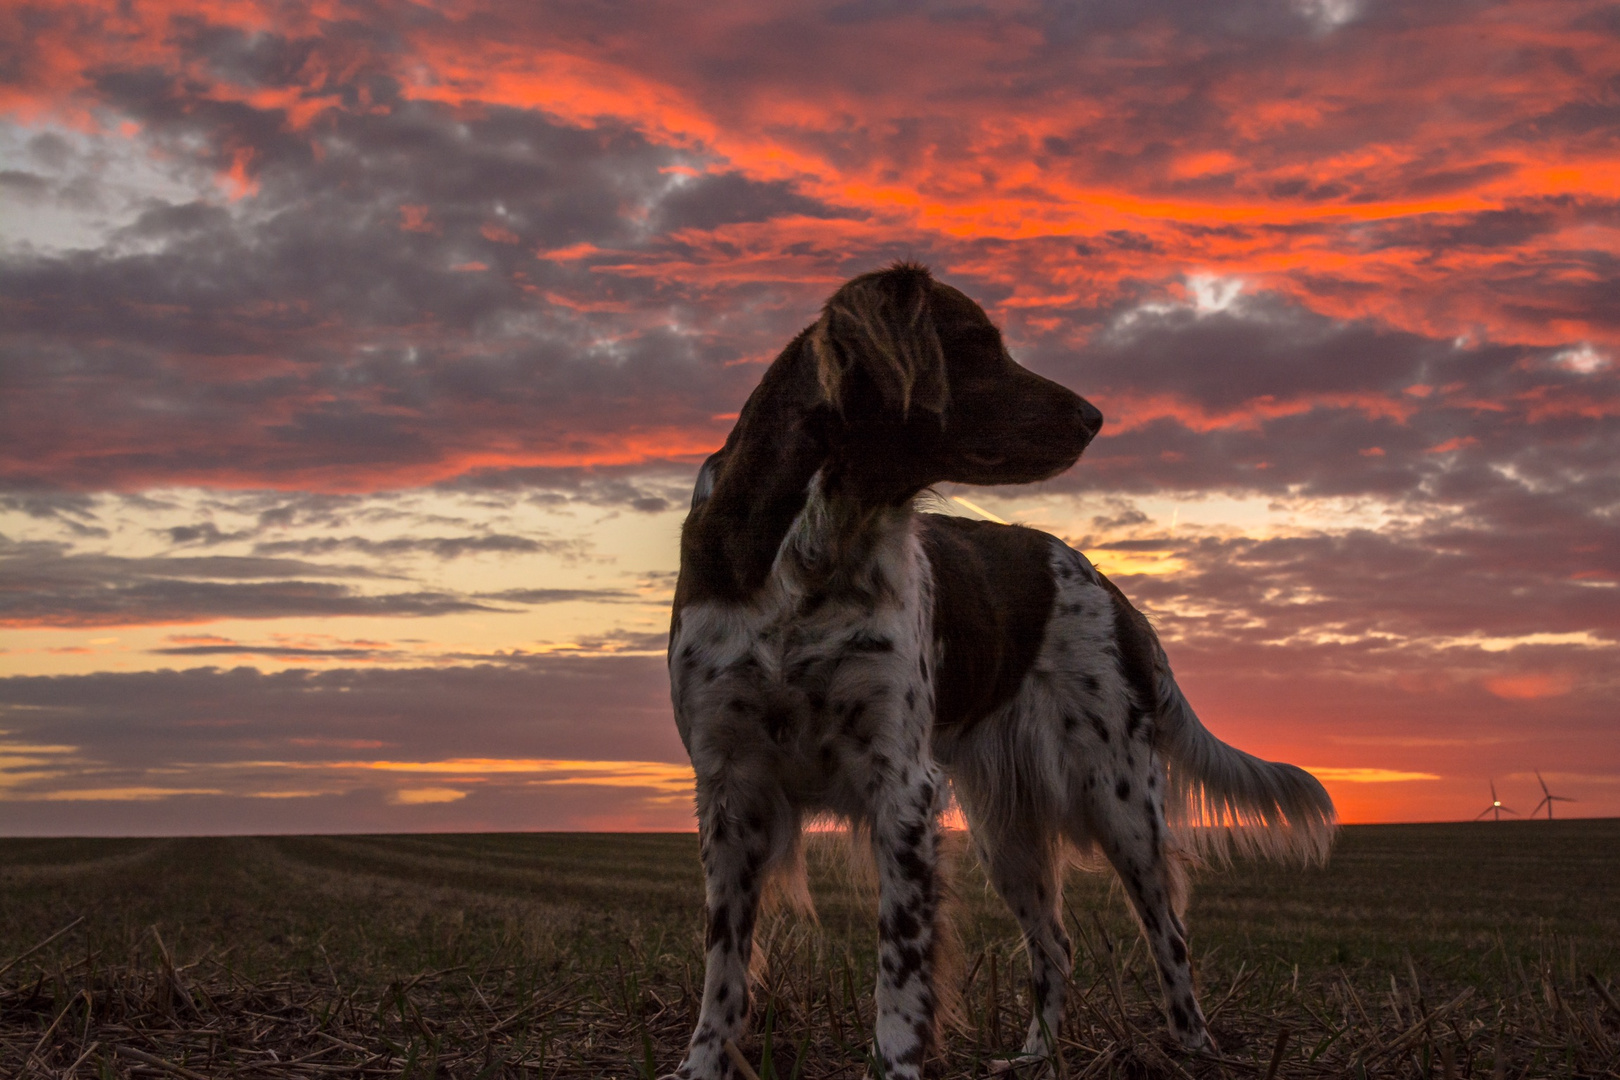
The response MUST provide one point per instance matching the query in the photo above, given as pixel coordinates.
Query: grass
(1487, 950)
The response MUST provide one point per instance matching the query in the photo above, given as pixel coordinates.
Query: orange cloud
(1530, 686)
(1367, 775)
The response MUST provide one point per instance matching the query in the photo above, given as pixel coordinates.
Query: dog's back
(997, 601)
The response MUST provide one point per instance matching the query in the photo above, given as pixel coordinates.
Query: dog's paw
(1192, 1042)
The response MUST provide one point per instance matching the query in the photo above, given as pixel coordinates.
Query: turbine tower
(1548, 798)
(1496, 806)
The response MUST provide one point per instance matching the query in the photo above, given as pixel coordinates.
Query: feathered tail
(1223, 801)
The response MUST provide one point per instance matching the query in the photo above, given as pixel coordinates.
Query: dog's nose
(1090, 416)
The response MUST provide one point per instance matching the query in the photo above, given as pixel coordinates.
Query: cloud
(1365, 775)
(1531, 685)
(281, 652)
(439, 547)
(558, 596)
(46, 586)
(713, 201)
(501, 735)
(419, 796)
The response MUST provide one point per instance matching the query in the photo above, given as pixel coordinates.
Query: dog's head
(901, 384)
(920, 389)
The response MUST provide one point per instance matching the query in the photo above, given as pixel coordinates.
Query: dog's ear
(882, 323)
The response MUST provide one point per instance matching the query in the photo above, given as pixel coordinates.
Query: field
(1488, 950)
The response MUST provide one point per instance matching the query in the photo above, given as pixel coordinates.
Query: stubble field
(1489, 950)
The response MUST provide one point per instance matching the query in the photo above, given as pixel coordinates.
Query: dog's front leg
(735, 841)
(906, 843)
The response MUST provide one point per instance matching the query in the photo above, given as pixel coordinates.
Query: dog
(833, 651)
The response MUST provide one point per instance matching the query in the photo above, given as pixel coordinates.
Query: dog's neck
(837, 544)
(778, 490)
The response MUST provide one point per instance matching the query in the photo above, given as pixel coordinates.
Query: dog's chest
(808, 676)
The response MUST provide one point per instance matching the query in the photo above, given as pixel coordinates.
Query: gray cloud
(649, 487)
(205, 534)
(45, 586)
(558, 596)
(236, 732)
(439, 547)
(544, 707)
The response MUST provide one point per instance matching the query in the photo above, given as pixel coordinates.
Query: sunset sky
(356, 361)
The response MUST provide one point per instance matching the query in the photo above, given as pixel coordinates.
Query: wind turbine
(1496, 806)
(1549, 799)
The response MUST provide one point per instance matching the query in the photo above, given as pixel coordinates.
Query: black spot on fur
(1178, 951)
(1138, 647)
(1100, 728)
(912, 866)
(1179, 1016)
(867, 643)
(1123, 789)
(779, 723)
(909, 963)
(719, 928)
(902, 924)
(748, 665)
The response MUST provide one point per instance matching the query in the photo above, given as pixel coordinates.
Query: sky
(356, 361)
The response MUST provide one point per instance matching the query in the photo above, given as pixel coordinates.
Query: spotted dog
(834, 652)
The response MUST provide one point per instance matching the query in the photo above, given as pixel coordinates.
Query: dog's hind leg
(739, 832)
(1024, 864)
(1124, 812)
